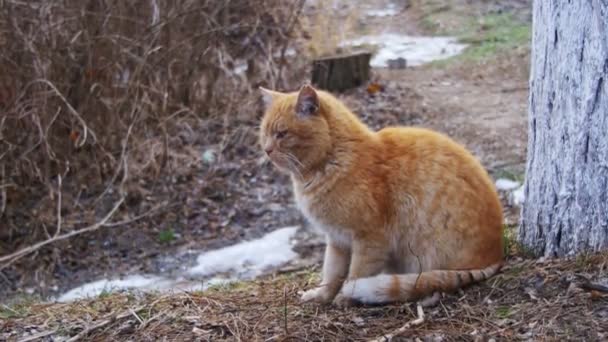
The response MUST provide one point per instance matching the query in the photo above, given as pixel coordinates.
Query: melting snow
(251, 258)
(416, 50)
(390, 10)
(518, 197)
(240, 68)
(98, 287)
(504, 184)
(244, 260)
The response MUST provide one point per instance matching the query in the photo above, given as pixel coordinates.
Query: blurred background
(128, 131)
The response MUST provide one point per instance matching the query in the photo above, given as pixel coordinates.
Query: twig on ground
(59, 181)
(38, 336)
(2, 196)
(404, 328)
(10, 258)
(136, 218)
(594, 287)
(586, 284)
(285, 310)
(103, 323)
(141, 322)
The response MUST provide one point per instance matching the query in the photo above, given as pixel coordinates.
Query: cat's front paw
(318, 295)
(345, 302)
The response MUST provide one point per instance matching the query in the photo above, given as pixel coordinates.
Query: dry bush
(86, 84)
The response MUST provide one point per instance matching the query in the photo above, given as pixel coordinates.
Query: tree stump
(339, 73)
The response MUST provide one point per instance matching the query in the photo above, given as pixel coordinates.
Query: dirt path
(482, 106)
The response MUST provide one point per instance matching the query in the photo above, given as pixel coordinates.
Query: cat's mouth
(285, 162)
(279, 162)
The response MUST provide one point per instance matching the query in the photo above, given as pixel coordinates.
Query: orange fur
(400, 200)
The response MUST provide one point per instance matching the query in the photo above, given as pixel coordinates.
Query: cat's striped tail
(386, 288)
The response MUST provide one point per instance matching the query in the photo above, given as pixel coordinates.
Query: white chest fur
(338, 235)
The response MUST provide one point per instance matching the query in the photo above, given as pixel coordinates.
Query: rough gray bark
(566, 206)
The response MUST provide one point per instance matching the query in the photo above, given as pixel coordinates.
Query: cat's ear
(269, 96)
(308, 101)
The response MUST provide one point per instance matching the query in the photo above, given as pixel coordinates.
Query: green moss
(507, 239)
(584, 260)
(515, 271)
(492, 34)
(166, 236)
(513, 247)
(232, 285)
(311, 276)
(105, 293)
(18, 307)
(503, 312)
(487, 36)
(7, 312)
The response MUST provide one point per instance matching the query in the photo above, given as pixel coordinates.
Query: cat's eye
(281, 134)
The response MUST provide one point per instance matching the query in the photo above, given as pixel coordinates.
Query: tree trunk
(340, 73)
(566, 191)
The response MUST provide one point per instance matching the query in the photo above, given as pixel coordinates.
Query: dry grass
(529, 300)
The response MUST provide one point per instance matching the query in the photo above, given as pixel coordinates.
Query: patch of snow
(289, 52)
(390, 10)
(209, 156)
(240, 68)
(416, 50)
(141, 283)
(251, 258)
(245, 260)
(504, 184)
(518, 197)
(96, 288)
(218, 281)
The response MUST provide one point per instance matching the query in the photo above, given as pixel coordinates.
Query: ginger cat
(407, 212)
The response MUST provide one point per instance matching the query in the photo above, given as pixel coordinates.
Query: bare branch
(9, 259)
(419, 320)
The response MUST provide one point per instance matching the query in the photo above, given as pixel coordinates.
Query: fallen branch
(594, 287)
(103, 323)
(136, 218)
(59, 182)
(9, 259)
(3, 197)
(586, 284)
(404, 328)
(38, 336)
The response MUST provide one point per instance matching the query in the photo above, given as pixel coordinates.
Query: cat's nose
(268, 150)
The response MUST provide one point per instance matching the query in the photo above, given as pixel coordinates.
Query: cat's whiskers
(296, 160)
(294, 168)
(292, 163)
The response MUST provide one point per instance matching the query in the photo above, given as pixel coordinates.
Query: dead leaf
(74, 136)
(374, 88)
